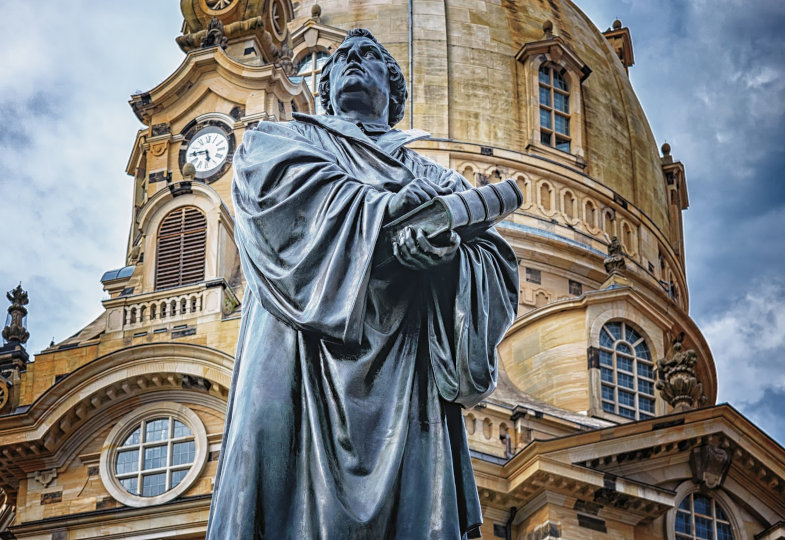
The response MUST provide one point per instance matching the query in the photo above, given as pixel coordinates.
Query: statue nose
(354, 55)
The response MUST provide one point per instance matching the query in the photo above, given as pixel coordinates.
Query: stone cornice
(558, 51)
(48, 432)
(192, 70)
(588, 465)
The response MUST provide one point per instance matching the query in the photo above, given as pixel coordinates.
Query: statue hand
(416, 252)
(418, 191)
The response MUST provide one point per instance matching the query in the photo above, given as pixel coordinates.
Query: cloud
(748, 343)
(767, 415)
(66, 131)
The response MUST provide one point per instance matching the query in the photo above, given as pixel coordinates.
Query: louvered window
(181, 248)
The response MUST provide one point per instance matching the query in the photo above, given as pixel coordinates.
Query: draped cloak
(344, 418)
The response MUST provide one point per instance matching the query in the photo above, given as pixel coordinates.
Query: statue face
(359, 81)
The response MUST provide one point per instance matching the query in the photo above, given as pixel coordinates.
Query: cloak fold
(344, 414)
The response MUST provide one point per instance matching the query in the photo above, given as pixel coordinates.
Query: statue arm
(472, 302)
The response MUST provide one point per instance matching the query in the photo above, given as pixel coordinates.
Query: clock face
(208, 151)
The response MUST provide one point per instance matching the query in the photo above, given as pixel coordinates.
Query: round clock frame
(194, 131)
(218, 7)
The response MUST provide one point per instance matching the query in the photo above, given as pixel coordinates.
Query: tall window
(310, 70)
(554, 108)
(701, 517)
(181, 248)
(627, 372)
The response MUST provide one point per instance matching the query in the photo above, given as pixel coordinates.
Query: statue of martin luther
(344, 418)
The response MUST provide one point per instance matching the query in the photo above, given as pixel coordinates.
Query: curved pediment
(59, 421)
(233, 80)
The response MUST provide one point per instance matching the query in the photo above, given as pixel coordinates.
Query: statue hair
(398, 92)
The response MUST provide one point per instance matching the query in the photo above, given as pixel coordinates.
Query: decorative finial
(189, 171)
(616, 24)
(316, 12)
(285, 59)
(614, 263)
(666, 149)
(16, 330)
(547, 27)
(678, 382)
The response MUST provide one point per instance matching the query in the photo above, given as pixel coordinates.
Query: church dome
(468, 85)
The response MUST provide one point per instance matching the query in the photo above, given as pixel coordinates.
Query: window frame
(688, 488)
(168, 469)
(552, 51)
(554, 135)
(314, 74)
(125, 427)
(614, 385)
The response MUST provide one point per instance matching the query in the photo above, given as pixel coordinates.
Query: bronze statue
(344, 419)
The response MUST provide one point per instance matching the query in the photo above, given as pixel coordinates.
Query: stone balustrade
(175, 308)
(180, 304)
(492, 432)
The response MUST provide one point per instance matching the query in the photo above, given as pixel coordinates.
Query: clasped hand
(414, 250)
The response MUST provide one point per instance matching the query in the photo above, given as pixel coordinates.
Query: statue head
(353, 77)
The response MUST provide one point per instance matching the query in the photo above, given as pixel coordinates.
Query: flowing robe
(344, 417)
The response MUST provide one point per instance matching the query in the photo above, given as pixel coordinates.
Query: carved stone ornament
(158, 149)
(285, 60)
(16, 330)
(709, 465)
(45, 477)
(678, 383)
(615, 264)
(215, 35)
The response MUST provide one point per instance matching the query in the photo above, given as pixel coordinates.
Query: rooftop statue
(344, 418)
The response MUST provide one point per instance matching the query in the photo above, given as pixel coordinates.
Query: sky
(709, 74)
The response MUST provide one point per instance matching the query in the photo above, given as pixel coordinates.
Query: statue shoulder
(424, 166)
(288, 129)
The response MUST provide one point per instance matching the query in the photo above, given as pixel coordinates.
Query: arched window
(700, 516)
(554, 108)
(310, 70)
(626, 372)
(180, 252)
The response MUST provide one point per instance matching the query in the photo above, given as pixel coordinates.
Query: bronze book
(468, 213)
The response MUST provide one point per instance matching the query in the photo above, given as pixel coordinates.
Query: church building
(604, 424)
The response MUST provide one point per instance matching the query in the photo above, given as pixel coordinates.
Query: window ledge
(550, 152)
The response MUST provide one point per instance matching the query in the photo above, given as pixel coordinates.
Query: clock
(208, 146)
(208, 151)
